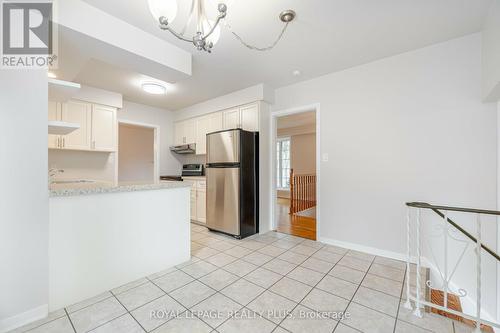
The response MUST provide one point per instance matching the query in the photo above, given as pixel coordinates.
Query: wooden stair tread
(437, 297)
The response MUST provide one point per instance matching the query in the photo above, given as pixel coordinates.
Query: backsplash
(83, 165)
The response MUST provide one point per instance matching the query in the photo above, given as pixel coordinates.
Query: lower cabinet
(198, 200)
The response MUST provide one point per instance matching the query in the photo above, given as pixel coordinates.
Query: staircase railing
(447, 228)
(302, 191)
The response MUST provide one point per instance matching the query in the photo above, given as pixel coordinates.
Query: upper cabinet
(249, 117)
(216, 122)
(103, 128)
(202, 128)
(232, 118)
(97, 130)
(204, 125)
(185, 132)
(245, 117)
(195, 130)
(79, 113)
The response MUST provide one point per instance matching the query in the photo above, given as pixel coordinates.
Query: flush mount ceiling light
(207, 31)
(154, 88)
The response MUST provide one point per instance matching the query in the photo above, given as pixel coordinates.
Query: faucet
(53, 172)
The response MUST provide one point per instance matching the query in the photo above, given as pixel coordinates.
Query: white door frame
(274, 132)
(156, 150)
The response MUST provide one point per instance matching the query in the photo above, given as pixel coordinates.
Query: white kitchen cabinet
(249, 117)
(231, 118)
(54, 115)
(79, 113)
(204, 125)
(97, 131)
(245, 117)
(103, 128)
(196, 129)
(198, 199)
(202, 128)
(185, 132)
(201, 205)
(216, 122)
(178, 133)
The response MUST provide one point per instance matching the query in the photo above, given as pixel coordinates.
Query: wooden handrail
(302, 191)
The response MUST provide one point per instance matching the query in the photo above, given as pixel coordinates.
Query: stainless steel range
(187, 170)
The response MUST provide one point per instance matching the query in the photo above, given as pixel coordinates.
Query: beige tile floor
(266, 283)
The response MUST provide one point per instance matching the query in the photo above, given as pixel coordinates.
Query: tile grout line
(70, 321)
(356, 291)
(399, 301)
(127, 311)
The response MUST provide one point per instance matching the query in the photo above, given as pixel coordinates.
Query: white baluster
(445, 281)
(417, 311)
(478, 272)
(407, 304)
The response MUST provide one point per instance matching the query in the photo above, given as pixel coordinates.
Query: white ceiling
(328, 36)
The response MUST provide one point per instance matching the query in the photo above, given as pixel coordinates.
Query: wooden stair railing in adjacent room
(302, 192)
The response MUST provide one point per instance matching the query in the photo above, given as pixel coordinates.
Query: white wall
(83, 164)
(491, 53)
(303, 153)
(136, 153)
(406, 128)
(23, 197)
(169, 165)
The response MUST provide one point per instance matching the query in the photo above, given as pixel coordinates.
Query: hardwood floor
(301, 226)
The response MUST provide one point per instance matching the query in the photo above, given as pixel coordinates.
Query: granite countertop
(77, 189)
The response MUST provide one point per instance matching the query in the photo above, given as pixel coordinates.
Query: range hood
(184, 149)
(62, 127)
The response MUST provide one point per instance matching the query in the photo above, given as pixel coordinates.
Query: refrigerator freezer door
(223, 147)
(223, 200)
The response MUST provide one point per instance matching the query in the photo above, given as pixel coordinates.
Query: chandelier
(207, 32)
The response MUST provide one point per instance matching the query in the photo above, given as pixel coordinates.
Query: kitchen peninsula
(102, 236)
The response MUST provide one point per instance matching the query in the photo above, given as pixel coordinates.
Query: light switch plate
(324, 157)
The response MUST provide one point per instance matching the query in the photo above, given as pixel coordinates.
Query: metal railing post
(407, 304)
(445, 281)
(417, 311)
(478, 274)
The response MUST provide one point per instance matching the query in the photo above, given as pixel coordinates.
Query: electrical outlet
(324, 157)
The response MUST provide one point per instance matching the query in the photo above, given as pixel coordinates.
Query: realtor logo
(27, 30)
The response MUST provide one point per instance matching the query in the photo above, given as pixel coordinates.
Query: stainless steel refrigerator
(232, 182)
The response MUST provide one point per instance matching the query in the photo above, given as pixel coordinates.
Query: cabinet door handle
(63, 142)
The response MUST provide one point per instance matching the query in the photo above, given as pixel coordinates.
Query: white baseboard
(24, 318)
(366, 249)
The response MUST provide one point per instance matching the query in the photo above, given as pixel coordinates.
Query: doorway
(137, 153)
(296, 172)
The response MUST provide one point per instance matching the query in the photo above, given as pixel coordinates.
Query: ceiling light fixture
(207, 31)
(51, 75)
(154, 88)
